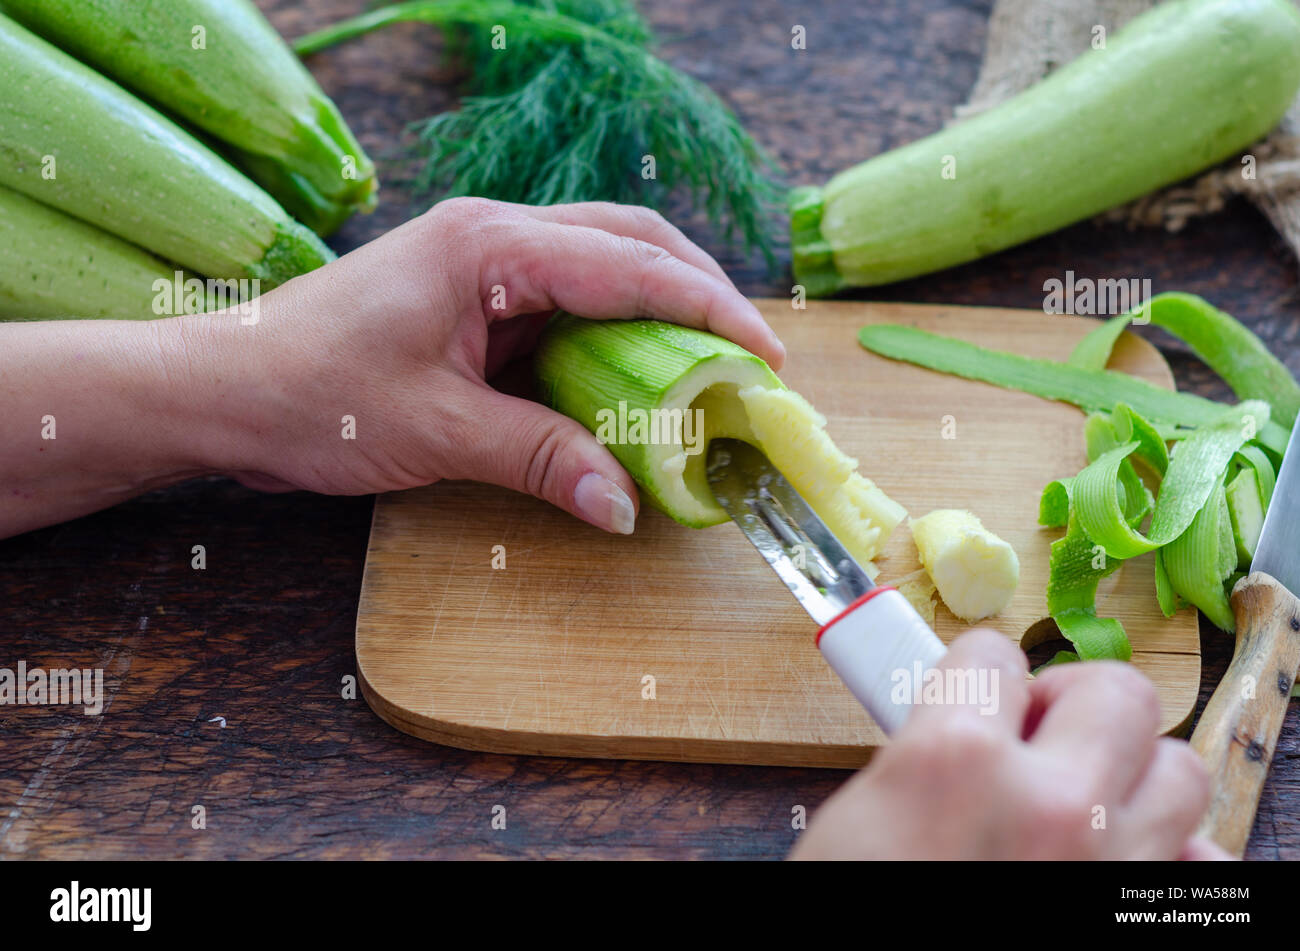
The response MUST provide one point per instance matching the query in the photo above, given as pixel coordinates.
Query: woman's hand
(365, 376)
(1068, 767)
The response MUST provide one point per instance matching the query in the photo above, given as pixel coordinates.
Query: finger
(524, 446)
(1169, 800)
(982, 676)
(593, 273)
(631, 221)
(1100, 717)
(1199, 848)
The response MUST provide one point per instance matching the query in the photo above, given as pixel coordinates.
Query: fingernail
(605, 504)
(780, 348)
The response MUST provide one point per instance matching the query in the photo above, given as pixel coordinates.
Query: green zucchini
(73, 140)
(1182, 87)
(52, 265)
(243, 86)
(655, 394)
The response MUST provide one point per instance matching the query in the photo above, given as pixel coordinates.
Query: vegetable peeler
(870, 635)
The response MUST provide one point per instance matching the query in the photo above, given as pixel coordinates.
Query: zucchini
(52, 265)
(245, 87)
(975, 571)
(1182, 87)
(624, 380)
(73, 140)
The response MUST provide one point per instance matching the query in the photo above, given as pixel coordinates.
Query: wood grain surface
(264, 636)
(548, 653)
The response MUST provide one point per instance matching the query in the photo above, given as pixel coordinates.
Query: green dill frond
(576, 107)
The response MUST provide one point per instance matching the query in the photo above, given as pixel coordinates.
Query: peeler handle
(880, 646)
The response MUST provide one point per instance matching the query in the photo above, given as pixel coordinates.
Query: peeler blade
(790, 536)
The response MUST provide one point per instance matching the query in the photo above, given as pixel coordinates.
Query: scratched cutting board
(552, 654)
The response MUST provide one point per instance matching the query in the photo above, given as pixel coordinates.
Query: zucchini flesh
(52, 265)
(603, 373)
(1182, 87)
(975, 572)
(125, 168)
(246, 88)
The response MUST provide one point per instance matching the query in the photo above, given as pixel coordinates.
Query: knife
(1239, 727)
(870, 635)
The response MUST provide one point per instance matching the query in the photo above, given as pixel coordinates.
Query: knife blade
(1277, 553)
(870, 635)
(1238, 730)
(790, 536)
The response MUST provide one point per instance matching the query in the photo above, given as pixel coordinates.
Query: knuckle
(651, 255)
(650, 218)
(607, 207)
(466, 207)
(542, 464)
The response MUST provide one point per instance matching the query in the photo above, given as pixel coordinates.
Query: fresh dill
(566, 102)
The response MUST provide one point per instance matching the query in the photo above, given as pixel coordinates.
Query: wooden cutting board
(677, 644)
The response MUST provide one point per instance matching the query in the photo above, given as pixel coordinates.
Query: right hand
(1068, 767)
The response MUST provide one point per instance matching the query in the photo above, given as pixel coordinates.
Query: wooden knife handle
(1238, 730)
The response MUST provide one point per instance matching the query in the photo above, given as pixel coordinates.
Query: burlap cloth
(1029, 38)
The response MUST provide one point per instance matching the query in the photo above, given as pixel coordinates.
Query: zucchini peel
(1203, 502)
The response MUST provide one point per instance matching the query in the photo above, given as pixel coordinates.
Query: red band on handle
(853, 607)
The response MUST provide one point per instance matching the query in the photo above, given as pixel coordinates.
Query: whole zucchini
(52, 265)
(75, 141)
(242, 85)
(1182, 87)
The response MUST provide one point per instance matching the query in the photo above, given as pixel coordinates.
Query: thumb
(527, 447)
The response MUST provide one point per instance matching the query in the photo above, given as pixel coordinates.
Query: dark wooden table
(263, 636)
